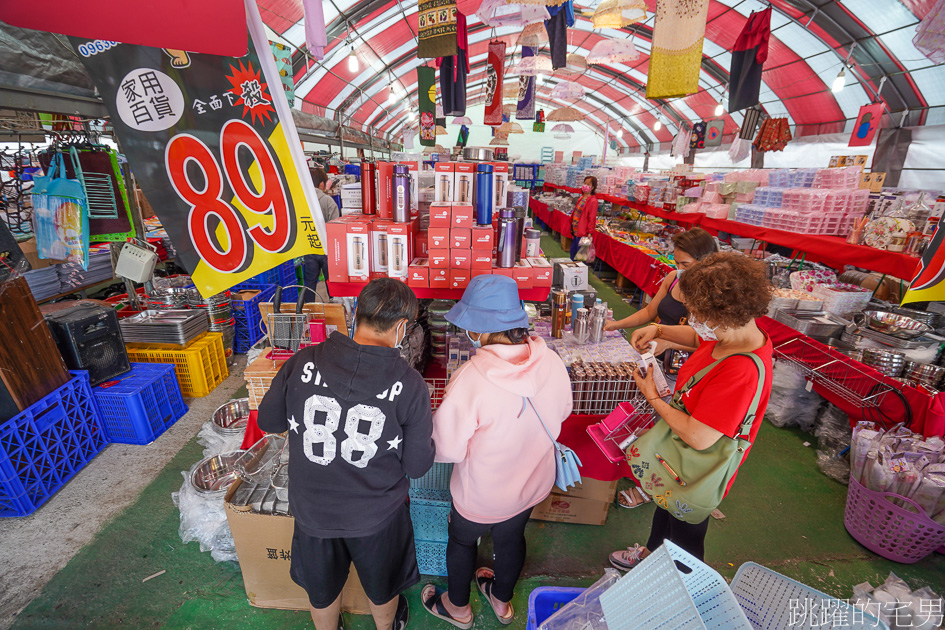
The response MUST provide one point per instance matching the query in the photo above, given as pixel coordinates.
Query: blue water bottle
(484, 195)
(577, 301)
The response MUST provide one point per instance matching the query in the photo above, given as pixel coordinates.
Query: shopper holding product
(688, 460)
(499, 415)
(584, 215)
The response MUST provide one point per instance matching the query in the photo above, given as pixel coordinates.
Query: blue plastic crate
(429, 511)
(545, 601)
(246, 313)
(437, 478)
(282, 275)
(42, 447)
(431, 557)
(142, 405)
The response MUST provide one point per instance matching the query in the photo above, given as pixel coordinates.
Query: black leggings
(686, 535)
(508, 542)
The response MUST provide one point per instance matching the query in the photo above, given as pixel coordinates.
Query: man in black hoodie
(359, 423)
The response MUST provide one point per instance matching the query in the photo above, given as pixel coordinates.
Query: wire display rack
(622, 427)
(860, 387)
(597, 388)
(437, 386)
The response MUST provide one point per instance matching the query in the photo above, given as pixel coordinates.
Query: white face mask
(400, 344)
(679, 273)
(702, 329)
(477, 343)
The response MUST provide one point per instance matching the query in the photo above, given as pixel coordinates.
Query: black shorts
(386, 562)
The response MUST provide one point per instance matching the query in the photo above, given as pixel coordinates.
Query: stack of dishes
(219, 312)
(170, 327)
(923, 373)
(439, 329)
(167, 299)
(895, 325)
(888, 362)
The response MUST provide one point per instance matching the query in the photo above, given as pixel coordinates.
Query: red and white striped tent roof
(810, 41)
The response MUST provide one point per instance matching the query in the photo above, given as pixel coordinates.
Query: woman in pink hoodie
(490, 425)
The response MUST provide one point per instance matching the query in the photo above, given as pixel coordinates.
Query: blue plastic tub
(545, 601)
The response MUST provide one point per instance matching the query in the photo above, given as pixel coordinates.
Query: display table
(830, 250)
(846, 383)
(637, 266)
(345, 289)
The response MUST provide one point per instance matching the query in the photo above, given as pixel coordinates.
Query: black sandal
(484, 580)
(434, 606)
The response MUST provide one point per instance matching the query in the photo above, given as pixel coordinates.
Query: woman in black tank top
(667, 307)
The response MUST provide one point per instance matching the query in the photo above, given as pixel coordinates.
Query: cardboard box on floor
(263, 545)
(585, 504)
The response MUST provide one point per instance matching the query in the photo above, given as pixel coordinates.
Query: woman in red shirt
(724, 293)
(584, 216)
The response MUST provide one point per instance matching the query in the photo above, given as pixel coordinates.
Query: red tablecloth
(637, 266)
(594, 464)
(928, 412)
(830, 250)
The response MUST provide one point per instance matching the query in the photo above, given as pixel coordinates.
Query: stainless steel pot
(230, 418)
(478, 154)
(214, 475)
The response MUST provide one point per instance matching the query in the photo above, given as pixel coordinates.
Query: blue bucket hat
(490, 304)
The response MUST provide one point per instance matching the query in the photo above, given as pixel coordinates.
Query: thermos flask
(368, 188)
(484, 196)
(401, 193)
(505, 244)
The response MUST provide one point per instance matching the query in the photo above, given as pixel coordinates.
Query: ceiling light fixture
(840, 81)
(719, 110)
(657, 125)
(352, 61)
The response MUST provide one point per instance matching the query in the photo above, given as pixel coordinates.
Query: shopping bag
(61, 216)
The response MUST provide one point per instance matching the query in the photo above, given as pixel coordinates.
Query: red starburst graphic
(251, 92)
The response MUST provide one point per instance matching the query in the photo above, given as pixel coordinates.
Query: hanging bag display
(687, 482)
(567, 463)
(61, 216)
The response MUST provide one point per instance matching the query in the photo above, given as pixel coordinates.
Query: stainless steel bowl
(924, 372)
(478, 154)
(894, 325)
(213, 475)
(888, 362)
(929, 318)
(231, 418)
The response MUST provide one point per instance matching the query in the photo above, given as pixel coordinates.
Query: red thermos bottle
(368, 188)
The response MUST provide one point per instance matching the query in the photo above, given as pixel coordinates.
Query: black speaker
(89, 338)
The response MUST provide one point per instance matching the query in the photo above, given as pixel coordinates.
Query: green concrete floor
(782, 513)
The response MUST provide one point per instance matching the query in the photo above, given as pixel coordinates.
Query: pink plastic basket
(895, 533)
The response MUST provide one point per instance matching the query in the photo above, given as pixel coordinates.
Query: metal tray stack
(817, 324)
(178, 327)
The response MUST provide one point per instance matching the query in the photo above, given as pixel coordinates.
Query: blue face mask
(477, 343)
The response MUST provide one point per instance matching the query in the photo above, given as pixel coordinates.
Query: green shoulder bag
(690, 483)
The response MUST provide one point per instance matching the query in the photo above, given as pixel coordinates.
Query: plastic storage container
(282, 275)
(142, 405)
(545, 601)
(437, 478)
(429, 511)
(246, 313)
(199, 368)
(44, 446)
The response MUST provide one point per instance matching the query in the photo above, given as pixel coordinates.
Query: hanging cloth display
(713, 133)
(681, 143)
(495, 66)
(283, 56)
(697, 141)
(562, 17)
(453, 73)
(526, 91)
(60, 216)
(930, 34)
(676, 53)
(539, 125)
(750, 123)
(463, 136)
(409, 135)
(774, 135)
(740, 150)
(316, 39)
(437, 25)
(426, 92)
(748, 57)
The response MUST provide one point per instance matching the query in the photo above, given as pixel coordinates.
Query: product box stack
(431, 237)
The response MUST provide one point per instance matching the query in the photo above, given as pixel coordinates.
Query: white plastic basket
(672, 590)
(775, 602)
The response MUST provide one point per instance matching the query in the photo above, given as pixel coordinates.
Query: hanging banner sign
(494, 69)
(213, 146)
(928, 284)
(867, 123)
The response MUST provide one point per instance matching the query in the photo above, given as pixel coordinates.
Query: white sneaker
(628, 558)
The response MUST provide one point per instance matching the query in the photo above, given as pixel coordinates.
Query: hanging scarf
(437, 25)
(748, 59)
(774, 135)
(316, 40)
(284, 66)
(750, 123)
(562, 16)
(578, 212)
(930, 34)
(463, 136)
(697, 141)
(495, 67)
(426, 92)
(526, 91)
(676, 54)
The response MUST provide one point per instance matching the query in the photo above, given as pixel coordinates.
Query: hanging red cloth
(748, 57)
(496, 65)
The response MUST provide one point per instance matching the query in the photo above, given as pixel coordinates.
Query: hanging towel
(748, 57)
(495, 66)
(316, 38)
(676, 54)
(426, 91)
(437, 25)
(526, 90)
(453, 84)
(752, 116)
(740, 150)
(930, 34)
(557, 26)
